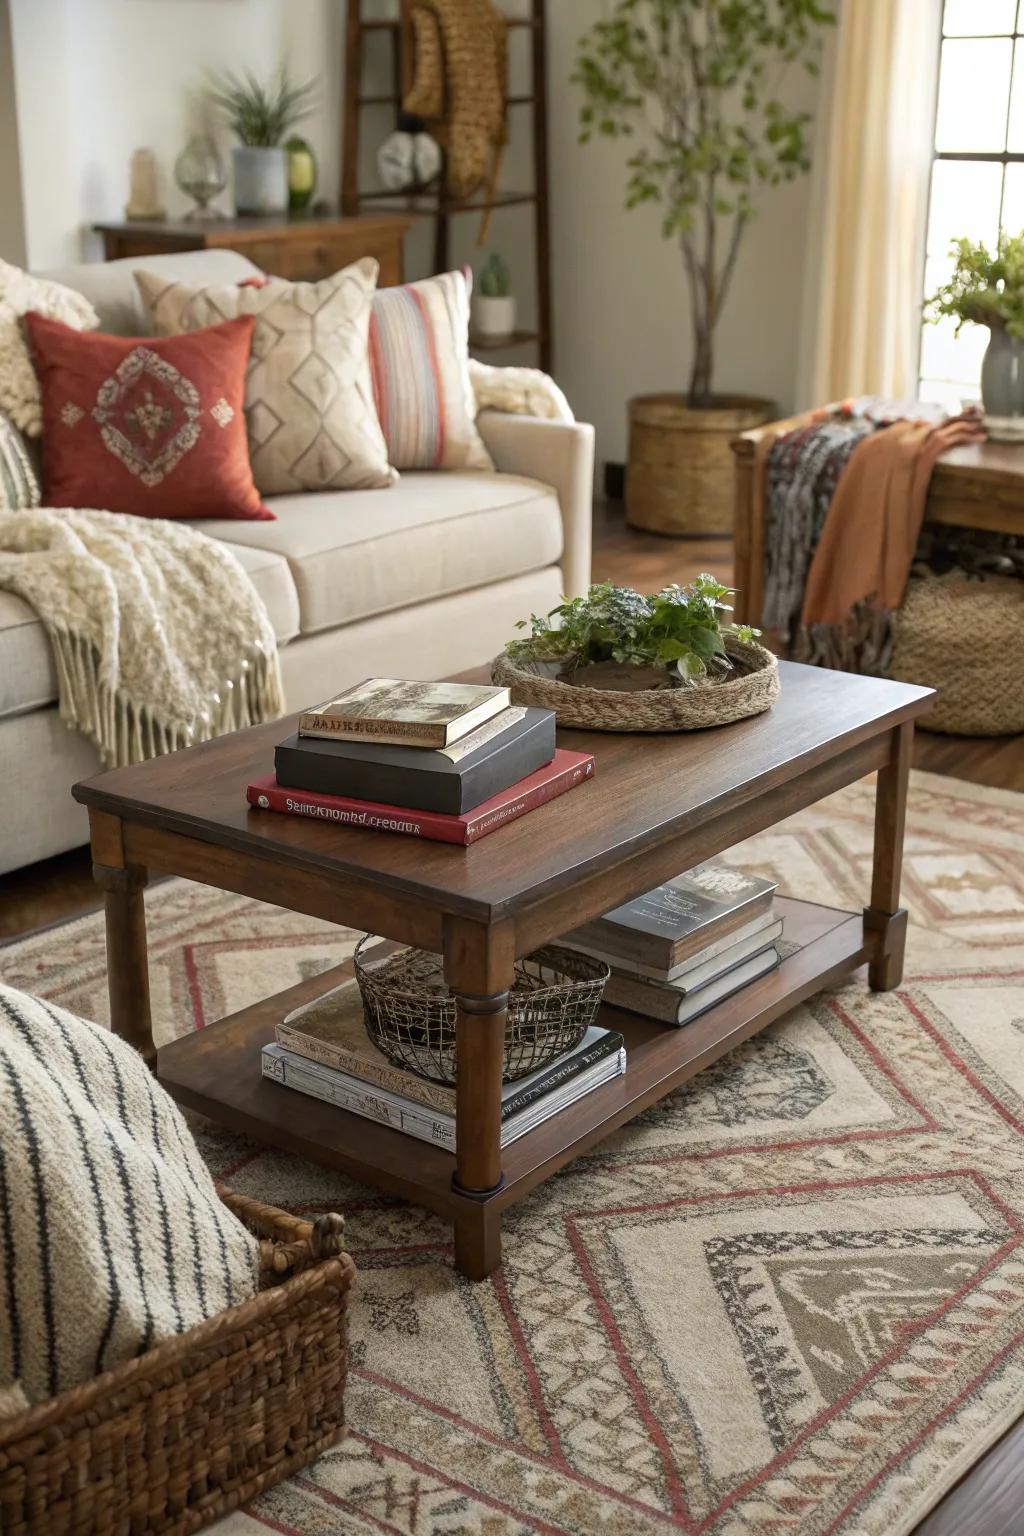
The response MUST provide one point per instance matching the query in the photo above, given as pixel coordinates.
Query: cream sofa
(424, 579)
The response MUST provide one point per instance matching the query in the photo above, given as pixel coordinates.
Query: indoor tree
(697, 84)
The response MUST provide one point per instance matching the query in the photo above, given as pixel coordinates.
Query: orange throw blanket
(871, 532)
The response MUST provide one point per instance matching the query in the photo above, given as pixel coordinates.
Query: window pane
(964, 201)
(1015, 126)
(944, 355)
(974, 87)
(952, 396)
(978, 18)
(1013, 200)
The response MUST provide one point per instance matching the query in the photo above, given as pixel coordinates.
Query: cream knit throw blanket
(160, 638)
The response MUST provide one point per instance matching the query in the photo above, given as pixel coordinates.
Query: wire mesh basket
(410, 1013)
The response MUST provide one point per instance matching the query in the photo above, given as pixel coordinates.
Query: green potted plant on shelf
(695, 85)
(262, 115)
(494, 304)
(988, 289)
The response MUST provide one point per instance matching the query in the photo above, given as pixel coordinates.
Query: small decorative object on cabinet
(261, 116)
(201, 174)
(988, 289)
(410, 1012)
(494, 304)
(409, 159)
(143, 200)
(728, 137)
(302, 173)
(619, 661)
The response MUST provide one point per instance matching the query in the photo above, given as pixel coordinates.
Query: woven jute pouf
(959, 635)
(752, 689)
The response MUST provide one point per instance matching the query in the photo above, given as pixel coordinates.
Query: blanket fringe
(123, 733)
(863, 644)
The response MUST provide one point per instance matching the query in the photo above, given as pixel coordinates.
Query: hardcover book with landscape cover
(410, 713)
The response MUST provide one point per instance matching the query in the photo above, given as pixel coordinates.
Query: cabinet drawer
(309, 260)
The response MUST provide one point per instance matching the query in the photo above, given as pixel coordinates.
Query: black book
(451, 781)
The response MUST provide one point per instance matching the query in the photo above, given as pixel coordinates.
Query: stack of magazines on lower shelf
(451, 762)
(323, 1050)
(685, 946)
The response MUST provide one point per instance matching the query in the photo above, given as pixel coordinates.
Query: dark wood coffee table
(657, 805)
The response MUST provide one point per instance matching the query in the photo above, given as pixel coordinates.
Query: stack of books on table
(685, 946)
(446, 761)
(323, 1050)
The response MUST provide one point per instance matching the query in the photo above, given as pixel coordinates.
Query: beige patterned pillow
(19, 293)
(308, 397)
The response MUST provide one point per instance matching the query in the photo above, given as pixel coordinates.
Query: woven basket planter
(751, 690)
(958, 635)
(196, 1427)
(680, 475)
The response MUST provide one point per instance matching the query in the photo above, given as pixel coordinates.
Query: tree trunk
(700, 395)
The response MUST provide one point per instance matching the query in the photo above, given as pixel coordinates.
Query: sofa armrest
(560, 454)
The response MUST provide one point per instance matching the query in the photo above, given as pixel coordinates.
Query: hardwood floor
(988, 1500)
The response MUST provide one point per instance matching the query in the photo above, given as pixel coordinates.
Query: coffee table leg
(885, 918)
(474, 959)
(127, 957)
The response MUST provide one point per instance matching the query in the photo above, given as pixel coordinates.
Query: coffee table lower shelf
(217, 1072)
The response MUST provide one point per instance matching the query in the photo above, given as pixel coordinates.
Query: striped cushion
(111, 1233)
(419, 359)
(18, 484)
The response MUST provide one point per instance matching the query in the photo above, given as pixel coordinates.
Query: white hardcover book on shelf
(758, 932)
(671, 1005)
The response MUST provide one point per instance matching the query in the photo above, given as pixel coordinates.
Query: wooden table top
(646, 789)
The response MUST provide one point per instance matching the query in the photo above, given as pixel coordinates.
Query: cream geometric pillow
(309, 404)
(20, 292)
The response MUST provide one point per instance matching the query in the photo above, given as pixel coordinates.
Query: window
(977, 173)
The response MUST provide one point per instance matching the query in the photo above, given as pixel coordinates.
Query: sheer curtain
(874, 157)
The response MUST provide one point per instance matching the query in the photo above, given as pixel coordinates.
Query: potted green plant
(494, 305)
(261, 115)
(696, 86)
(615, 659)
(988, 289)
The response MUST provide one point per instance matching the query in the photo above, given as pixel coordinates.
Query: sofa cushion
(357, 553)
(28, 678)
(112, 291)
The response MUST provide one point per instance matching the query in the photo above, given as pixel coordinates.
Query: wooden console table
(978, 485)
(304, 249)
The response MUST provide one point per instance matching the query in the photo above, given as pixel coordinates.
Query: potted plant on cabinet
(261, 116)
(494, 305)
(988, 289)
(695, 83)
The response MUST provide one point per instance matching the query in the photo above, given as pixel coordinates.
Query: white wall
(99, 78)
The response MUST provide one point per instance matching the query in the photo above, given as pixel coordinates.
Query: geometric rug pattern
(788, 1301)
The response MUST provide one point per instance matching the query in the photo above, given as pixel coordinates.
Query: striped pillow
(19, 486)
(112, 1236)
(419, 360)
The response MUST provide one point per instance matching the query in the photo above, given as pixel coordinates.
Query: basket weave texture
(199, 1425)
(751, 690)
(958, 635)
(410, 1013)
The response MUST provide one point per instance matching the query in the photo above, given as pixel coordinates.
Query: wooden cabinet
(302, 249)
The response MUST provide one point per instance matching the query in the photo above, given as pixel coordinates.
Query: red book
(565, 771)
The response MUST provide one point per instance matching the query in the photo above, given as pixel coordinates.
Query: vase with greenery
(698, 88)
(494, 304)
(262, 114)
(678, 637)
(987, 288)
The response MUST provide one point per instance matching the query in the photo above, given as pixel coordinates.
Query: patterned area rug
(788, 1300)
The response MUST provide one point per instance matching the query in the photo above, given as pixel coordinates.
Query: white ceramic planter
(261, 179)
(494, 317)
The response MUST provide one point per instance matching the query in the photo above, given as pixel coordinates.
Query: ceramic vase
(261, 179)
(494, 318)
(1002, 387)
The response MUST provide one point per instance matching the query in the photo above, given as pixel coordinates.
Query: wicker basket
(751, 689)
(957, 635)
(202, 1423)
(680, 475)
(410, 1013)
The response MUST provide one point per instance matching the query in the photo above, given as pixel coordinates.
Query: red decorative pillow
(152, 426)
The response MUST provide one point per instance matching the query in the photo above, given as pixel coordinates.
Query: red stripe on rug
(195, 991)
(957, 1061)
(529, 1370)
(884, 1066)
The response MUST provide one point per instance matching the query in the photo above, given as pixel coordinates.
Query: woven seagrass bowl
(410, 1013)
(750, 689)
